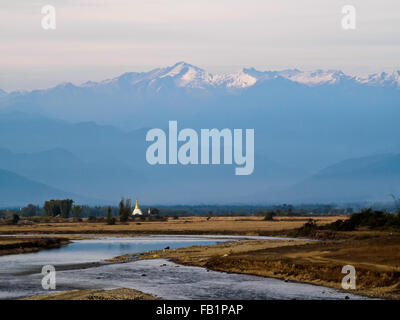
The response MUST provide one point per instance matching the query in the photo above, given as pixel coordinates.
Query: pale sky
(99, 39)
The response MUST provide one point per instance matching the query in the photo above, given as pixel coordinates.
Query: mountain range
(314, 132)
(182, 89)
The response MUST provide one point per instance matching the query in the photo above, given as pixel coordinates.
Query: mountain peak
(241, 79)
(183, 64)
(317, 77)
(181, 68)
(183, 74)
(65, 85)
(382, 79)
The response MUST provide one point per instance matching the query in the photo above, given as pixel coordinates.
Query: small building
(137, 211)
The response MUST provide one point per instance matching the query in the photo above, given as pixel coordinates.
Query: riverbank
(376, 259)
(113, 294)
(18, 245)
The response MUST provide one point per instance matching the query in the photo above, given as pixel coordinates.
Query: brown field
(188, 225)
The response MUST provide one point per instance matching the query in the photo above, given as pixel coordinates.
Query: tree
(260, 213)
(396, 203)
(76, 213)
(128, 207)
(29, 211)
(121, 209)
(269, 215)
(110, 218)
(65, 207)
(47, 209)
(52, 208)
(15, 219)
(125, 208)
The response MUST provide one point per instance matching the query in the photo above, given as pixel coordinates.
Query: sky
(99, 39)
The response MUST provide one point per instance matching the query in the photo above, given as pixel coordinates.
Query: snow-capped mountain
(181, 75)
(240, 79)
(382, 79)
(318, 77)
(185, 75)
(184, 90)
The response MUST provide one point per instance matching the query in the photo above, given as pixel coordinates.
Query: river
(81, 265)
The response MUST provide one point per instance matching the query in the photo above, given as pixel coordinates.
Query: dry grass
(188, 225)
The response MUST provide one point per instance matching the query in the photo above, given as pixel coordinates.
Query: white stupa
(137, 211)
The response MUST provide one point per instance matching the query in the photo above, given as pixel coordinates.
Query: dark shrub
(15, 218)
(91, 219)
(308, 229)
(269, 216)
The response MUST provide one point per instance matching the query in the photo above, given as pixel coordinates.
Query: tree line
(63, 208)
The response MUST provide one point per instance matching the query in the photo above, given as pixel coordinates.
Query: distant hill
(16, 190)
(63, 170)
(103, 162)
(361, 179)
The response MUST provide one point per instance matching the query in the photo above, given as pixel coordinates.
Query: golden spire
(137, 204)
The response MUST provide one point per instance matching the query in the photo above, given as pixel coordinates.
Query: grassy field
(250, 225)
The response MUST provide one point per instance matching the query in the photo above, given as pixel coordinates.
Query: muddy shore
(18, 245)
(113, 294)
